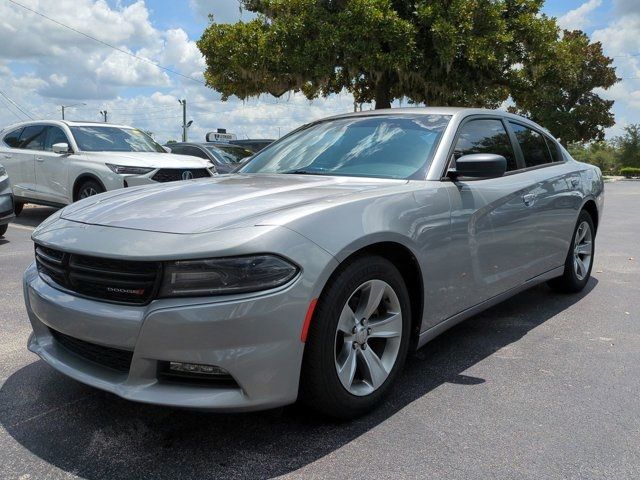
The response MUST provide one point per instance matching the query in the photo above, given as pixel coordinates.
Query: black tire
(17, 208)
(3, 229)
(570, 281)
(88, 188)
(320, 386)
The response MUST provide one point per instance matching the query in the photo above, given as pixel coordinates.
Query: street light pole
(183, 102)
(104, 115)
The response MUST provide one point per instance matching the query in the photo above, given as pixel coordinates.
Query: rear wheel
(3, 229)
(88, 189)
(577, 267)
(358, 339)
(17, 208)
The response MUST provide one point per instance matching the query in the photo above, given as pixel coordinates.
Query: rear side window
(55, 135)
(33, 137)
(556, 154)
(194, 152)
(12, 139)
(485, 136)
(533, 145)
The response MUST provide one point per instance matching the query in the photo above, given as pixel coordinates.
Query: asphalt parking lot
(541, 386)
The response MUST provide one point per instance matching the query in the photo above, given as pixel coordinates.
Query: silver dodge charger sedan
(314, 271)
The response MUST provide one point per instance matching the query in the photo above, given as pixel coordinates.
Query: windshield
(384, 146)
(229, 153)
(114, 139)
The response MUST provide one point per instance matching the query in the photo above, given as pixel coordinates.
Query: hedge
(630, 172)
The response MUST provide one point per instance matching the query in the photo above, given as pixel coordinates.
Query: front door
(52, 173)
(491, 223)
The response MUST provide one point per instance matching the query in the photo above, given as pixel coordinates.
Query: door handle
(529, 199)
(7, 155)
(39, 159)
(575, 182)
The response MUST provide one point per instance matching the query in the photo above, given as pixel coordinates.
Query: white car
(58, 162)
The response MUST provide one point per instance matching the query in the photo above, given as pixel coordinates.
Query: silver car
(313, 272)
(6, 201)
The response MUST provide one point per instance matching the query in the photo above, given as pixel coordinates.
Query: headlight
(124, 170)
(219, 276)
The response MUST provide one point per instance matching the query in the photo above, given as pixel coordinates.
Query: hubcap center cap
(361, 335)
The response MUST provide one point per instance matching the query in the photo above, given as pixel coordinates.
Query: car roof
(68, 123)
(459, 112)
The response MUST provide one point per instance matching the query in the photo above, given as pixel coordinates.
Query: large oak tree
(437, 52)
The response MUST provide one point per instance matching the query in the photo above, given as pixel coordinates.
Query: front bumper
(6, 208)
(256, 338)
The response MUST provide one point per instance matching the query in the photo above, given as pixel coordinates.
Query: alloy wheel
(87, 192)
(368, 337)
(582, 250)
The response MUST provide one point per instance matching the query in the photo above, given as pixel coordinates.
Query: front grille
(117, 281)
(113, 358)
(175, 174)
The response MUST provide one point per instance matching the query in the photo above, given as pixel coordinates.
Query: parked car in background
(58, 162)
(313, 271)
(253, 144)
(6, 201)
(225, 156)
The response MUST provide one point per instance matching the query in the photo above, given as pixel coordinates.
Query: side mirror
(166, 149)
(479, 165)
(62, 148)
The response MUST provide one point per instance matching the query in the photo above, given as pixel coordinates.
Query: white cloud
(579, 18)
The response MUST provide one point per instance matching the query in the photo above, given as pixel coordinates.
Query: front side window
(12, 139)
(533, 145)
(114, 139)
(32, 137)
(55, 135)
(485, 136)
(383, 146)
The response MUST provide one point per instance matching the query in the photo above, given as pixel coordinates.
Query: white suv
(58, 162)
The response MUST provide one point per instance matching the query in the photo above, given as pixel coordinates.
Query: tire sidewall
(325, 321)
(89, 183)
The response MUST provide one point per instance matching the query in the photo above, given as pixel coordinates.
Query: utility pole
(62, 106)
(104, 115)
(183, 102)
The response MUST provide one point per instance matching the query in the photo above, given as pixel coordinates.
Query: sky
(44, 65)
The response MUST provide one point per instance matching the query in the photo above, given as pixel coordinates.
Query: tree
(629, 146)
(556, 89)
(602, 154)
(438, 52)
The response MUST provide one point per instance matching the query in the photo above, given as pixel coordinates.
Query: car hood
(149, 159)
(225, 201)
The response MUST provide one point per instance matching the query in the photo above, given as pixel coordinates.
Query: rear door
(550, 198)
(490, 220)
(52, 169)
(23, 161)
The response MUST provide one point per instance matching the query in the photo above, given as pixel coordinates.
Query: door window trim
(517, 152)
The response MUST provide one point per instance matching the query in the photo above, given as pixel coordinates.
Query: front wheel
(358, 339)
(89, 189)
(3, 229)
(577, 266)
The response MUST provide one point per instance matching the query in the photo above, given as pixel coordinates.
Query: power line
(121, 50)
(15, 104)
(9, 109)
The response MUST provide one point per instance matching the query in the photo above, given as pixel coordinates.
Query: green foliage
(438, 52)
(557, 89)
(614, 157)
(628, 146)
(630, 172)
